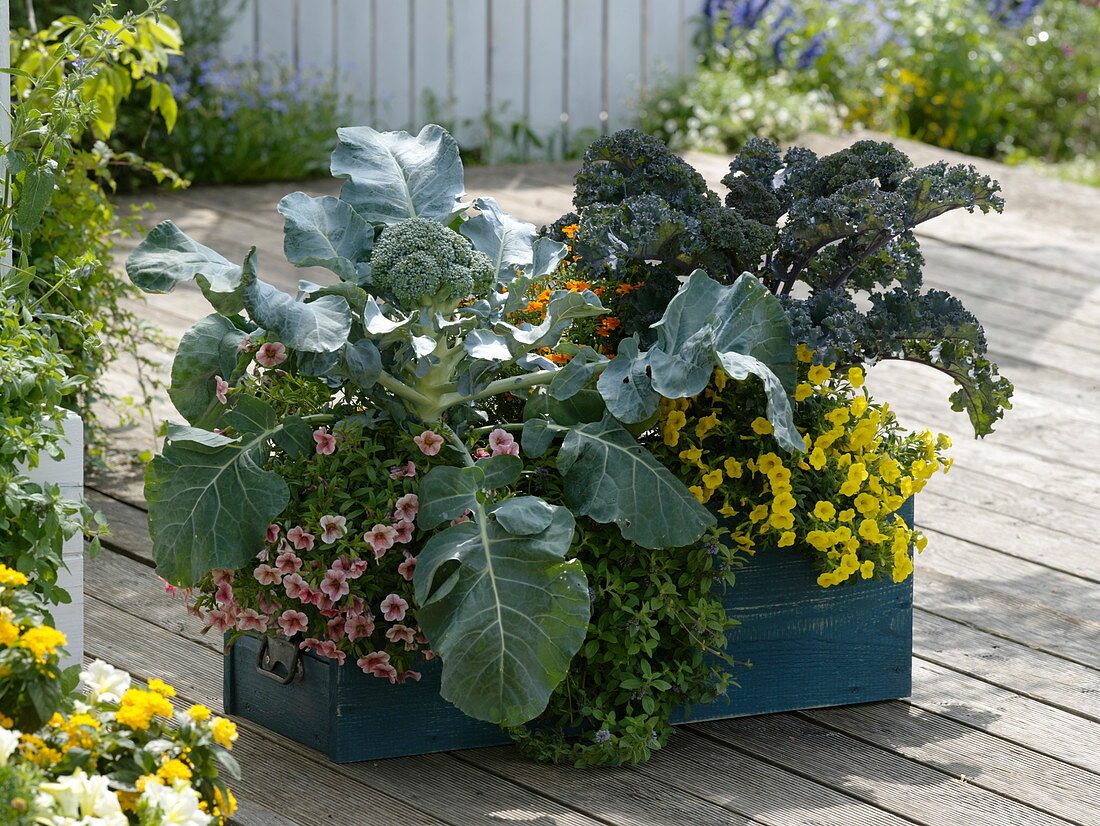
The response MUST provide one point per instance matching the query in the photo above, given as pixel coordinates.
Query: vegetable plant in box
(373, 424)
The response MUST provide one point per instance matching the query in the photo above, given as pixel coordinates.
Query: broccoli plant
(418, 327)
(834, 228)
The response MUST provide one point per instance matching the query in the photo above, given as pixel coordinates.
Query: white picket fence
(568, 69)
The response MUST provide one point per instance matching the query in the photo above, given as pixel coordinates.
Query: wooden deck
(1003, 728)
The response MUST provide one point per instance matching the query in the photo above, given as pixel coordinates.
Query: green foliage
(657, 625)
(1022, 83)
(70, 79)
(836, 227)
(19, 783)
(441, 370)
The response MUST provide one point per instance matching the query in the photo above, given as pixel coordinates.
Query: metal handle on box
(275, 652)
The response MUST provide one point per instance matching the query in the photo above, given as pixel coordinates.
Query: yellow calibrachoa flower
(867, 569)
(817, 458)
(825, 511)
(786, 539)
(803, 391)
(713, 479)
(732, 468)
(804, 354)
(224, 731)
(706, 425)
(858, 406)
(761, 426)
(819, 374)
(701, 493)
(856, 376)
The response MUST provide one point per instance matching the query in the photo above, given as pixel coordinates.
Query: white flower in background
(177, 805)
(82, 798)
(9, 741)
(105, 683)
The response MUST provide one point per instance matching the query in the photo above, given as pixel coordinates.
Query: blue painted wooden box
(809, 647)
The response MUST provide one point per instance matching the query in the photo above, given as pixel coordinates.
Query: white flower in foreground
(105, 682)
(177, 805)
(89, 799)
(9, 741)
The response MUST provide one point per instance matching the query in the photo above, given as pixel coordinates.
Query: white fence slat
(546, 54)
(586, 61)
(240, 37)
(624, 61)
(507, 85)
(276, 35)
(434, 83)
(471, 68)
(391, 44)
(569, 68)
(354, 45)
(314, 36)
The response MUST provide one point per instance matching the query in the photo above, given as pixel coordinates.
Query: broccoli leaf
(392, 176)
(506, 241)
(208, 349)
(169, 257)
(326, 232)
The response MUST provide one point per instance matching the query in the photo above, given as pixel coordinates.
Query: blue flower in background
(812, 52)
(1013, 13)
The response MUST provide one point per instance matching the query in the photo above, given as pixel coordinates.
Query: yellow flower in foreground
(224, 802)
(199, 713)
(713, 479)
(174, 770)
(825, 511)
(817, 458)
(43, 641)
(139, 707)
(706, 425)
(819, 374)
(855, 376)
(867, 569)
(803, 391)
(9, 632)
(732, 468)
(786, 539)
(803, 353)
(162, 688)
(9, 576)
(225, 732)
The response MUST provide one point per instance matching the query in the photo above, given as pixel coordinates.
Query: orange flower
(626, 289)
(559, 358)
(576, 286)
(598, 290)
(607, 323)
(535, 306)
(569, 230)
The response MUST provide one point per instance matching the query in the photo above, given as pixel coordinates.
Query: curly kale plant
(421, 263)
(833, 227)
(418, 326)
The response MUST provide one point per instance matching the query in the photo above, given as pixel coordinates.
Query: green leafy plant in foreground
(831, 236)
(416, 326)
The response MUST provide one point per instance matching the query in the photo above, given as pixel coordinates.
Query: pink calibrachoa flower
(272, 533)
(336, 628)
(288, 562)
(327, 648)
(224, 593)
(334, 585)
(263, 555)
(332, 528)
(400, 632)
(408, 675)
(358, 626)
(481, 453)
(266, 575)
(394, 608)
(406, 508)
(246, 344)
(503, 442)
(356, 605)
(429, 442)
(268, 604)
(386, 671)
(219, 620)
(381, 539)
(403, 471)
(222, 575)
(466, 517)
(326, 442)
(301, 540)
(404, 532)
(293, 622)
(220, 386)
(295, 586)
(372, 660)
(251, 620)
(271, 353)
(358, 568)
(407, 567)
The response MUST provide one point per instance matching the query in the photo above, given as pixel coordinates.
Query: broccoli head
(421, 263)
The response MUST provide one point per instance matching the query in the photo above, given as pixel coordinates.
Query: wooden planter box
(809, 647)
(68, 474)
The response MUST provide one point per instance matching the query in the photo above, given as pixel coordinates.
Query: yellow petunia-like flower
(732, 468)
(713, 479)
(819, 374)
(786, 539)
(817, 458)
(706, 425)
(803, 391)
(804, 353)
(866, 504)
(867, 569)
(700, 493)
(762, 426)
(825, 511)
(856, 376)
(692, 456)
